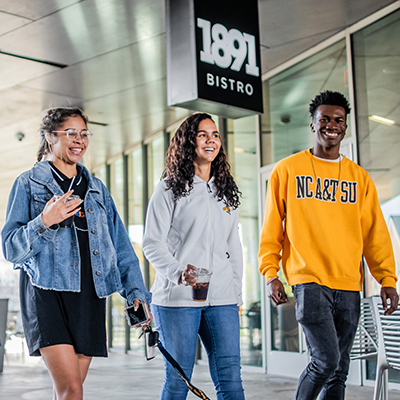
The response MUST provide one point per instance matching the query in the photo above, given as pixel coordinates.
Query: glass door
(284, 339)
(285, 130)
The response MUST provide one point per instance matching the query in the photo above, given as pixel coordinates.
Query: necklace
(326, 196)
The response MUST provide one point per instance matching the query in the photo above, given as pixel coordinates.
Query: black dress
(54, 317)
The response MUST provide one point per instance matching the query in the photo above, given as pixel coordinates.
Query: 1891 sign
(222, 52)
(226, 45)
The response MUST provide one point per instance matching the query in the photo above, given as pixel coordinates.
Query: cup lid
(204, 271)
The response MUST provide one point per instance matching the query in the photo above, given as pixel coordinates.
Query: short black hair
(330, 98)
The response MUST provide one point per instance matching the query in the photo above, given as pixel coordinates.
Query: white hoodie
(199, 230)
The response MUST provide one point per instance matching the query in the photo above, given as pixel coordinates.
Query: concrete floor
(130, 376)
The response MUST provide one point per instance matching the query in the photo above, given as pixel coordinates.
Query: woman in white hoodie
(192, 223)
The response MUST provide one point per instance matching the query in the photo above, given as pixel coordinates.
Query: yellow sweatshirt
(322, 230)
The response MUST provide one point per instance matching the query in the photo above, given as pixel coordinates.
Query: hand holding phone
(137, 315)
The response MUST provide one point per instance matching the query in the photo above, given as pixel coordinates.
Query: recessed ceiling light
(381, 120)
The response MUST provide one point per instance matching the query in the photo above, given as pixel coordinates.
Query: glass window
(101, 174)
(377, 73)
(117, 185)
(156, 157)
(242, 145)
(118, 302)
(377, 80)
(285, 130)
(285, 124)
(136, 188)
(284, 327)
(135, 226)
(135, 223)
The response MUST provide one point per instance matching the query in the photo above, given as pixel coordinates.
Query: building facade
(362, 62)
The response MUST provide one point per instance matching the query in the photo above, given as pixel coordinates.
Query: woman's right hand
(56, 211)
(189, 276)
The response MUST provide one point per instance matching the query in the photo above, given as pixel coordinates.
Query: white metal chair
(389, 346)
(378, 336)
(365, 344)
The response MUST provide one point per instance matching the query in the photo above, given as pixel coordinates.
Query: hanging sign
(213, 56)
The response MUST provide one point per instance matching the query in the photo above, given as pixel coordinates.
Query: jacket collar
(41, 173)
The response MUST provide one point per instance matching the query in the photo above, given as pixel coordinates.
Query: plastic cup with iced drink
(67, 223)
(200, 289)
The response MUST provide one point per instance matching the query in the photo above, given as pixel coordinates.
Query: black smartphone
(136, 317)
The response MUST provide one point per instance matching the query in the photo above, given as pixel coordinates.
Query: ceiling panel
(19, 104)
(87, 29)
(108, 141)
(111, 72)
(11, 22)
(129, 103)
(17, 70)
(34, 9)
(134, 104)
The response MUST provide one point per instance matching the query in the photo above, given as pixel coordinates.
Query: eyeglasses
(73, 134)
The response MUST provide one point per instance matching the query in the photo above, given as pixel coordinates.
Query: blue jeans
(218, 327)
(329, 320)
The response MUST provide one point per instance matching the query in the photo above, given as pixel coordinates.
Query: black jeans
(329, 320)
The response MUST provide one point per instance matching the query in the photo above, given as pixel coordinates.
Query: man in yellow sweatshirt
(322, 214)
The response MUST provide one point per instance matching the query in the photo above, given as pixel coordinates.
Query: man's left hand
(389, 293)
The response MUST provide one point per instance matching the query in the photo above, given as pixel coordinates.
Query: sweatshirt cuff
(269, 278)
(389, 282)
(174, 276)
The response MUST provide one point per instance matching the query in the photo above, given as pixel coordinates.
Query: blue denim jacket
(51, 256)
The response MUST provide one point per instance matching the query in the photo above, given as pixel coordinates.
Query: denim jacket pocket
(103, 212)
(40, 200)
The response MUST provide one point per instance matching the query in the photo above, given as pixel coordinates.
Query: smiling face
(329, 126)
(208, 142)
(66, 152)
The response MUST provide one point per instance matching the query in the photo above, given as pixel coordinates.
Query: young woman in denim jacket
(192, 222)
(66, 272)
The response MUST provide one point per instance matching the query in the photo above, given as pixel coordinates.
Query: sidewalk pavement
(130, 376)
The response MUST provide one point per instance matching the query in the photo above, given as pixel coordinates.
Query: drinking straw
(72, 182)
(70, 186)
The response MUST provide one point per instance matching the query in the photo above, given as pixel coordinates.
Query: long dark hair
(179, 164)
(53, 119)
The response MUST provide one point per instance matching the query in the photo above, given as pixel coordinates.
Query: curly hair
(179, 164)
(330, 98)
(53, 119)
